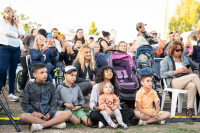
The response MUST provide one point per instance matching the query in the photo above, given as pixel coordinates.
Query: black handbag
(174, 67)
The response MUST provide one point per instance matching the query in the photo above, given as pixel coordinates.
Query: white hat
(69, 69)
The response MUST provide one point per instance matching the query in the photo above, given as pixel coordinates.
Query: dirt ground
(184, 127)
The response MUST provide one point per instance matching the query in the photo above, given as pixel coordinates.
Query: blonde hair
(120, 44)
(102, 86)
(173, 47)
(80, 58)
(13, 22)
(35, 44)
(94, 44)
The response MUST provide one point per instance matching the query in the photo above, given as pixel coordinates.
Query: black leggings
(24, 73)
(4, 82)
(85, 87)
(96, 116)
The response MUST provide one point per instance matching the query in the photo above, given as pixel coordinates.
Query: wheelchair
(57, 77)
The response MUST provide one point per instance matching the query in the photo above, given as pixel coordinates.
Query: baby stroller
(127, 75)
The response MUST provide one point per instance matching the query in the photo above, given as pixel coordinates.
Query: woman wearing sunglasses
(181, 73)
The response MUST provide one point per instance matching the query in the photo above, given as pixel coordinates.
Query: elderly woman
(42, 52)
(188, 80)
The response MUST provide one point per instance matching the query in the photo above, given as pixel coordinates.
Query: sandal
(123, 126)
(190, 114)
(113, 125)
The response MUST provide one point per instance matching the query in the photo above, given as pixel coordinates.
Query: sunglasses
(154, 33)
(177, 50)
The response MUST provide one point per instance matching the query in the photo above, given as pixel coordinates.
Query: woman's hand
(182, 70)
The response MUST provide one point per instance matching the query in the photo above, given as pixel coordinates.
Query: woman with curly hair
(106, 73)
(86, 69)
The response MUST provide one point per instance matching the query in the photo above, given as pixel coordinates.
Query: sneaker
(100, 125)
(36, 127)
(13, 98)
(142, 123)
(162, 122)
(60, 126)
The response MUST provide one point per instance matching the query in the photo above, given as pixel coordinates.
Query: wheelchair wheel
(18, 81)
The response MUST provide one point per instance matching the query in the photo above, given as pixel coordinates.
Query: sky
(121, 15)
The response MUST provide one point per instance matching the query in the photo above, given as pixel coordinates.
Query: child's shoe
(36, 127)
(142, 123)
(162, 122)
(123, 126)
(113, 125)
(60, 126)
(100, 125)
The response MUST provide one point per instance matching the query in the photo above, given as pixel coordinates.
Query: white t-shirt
(178, 65)
(87, 76)
(58, 45)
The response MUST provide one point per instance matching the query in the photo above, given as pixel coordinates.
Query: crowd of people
(86, 72)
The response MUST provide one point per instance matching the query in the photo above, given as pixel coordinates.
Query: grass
(189, 122)
(73, 126)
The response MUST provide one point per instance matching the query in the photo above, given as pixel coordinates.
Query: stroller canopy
(144, 49)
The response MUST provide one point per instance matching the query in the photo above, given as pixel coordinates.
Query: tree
(71, 30)
(186, 16)
(93, 30)
(27, 25)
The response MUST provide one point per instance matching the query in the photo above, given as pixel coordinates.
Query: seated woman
(98, 57)
(86, 69)
(41, 53)
(106, 73)
(189, 81)
(122, 46)
(67, 54)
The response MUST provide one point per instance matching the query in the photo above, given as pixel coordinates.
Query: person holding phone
(10, 32)
(180, 72)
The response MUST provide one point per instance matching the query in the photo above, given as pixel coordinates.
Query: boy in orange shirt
(109, 104)
(144, 98)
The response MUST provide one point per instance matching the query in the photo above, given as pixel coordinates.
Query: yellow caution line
(7, 118)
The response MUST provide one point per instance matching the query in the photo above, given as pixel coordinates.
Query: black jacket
(68, 59)
(39, 97)
(81, 76)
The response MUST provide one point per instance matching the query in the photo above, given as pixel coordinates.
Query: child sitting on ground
(144, 98)
(109, 104)
(70, 97)
(40, 104)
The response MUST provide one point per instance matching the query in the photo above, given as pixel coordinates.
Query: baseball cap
(138, 25)
(69, 69)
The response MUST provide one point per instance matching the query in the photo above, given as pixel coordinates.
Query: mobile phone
(188, 66)
(59, 34)
(50, 35)
(92, 51)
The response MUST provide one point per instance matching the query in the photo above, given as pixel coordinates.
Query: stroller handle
(112, 50)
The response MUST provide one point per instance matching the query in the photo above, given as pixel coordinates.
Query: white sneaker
(36, 127)
(60, 126)
(13, 98)
(142, 123)
(100, 125)
(162, 122)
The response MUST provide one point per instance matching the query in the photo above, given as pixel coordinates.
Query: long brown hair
(13, 22)
(173, 47)
(102, 86)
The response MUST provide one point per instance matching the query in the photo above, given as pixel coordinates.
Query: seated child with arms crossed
(109, 104)
(40, 104)
(144, 98)
(70, 97)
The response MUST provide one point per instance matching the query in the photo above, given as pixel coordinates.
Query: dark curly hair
(100, 78)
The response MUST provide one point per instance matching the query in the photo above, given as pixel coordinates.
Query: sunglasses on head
(177, 50)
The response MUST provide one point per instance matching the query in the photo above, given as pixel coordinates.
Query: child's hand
(155, 115)
(77, 108)
(113, 108)
(46, 117)
(109, 112)
(69, 105)
(151, 115)
(37, 114)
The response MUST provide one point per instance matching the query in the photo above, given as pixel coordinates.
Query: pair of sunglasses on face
(177, 50)
(154, 33)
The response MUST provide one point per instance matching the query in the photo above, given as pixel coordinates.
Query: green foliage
(186, 17)
(27, 25)
(71, 30)
(93, 30)
(189, 122)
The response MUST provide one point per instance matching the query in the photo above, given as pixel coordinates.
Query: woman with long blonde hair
(42, 52)
(86, 69)
(10, 32)
(122, 46)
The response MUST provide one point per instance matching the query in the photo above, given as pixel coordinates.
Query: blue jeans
(50, 72)
(9, 58)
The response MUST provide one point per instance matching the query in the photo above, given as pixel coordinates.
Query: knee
(23, 117)
(89, 86)
(77, 121)
(195, 76)
(192, 85)
(90, 123)
(137, 114)
(168, 114)
(67, 113)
